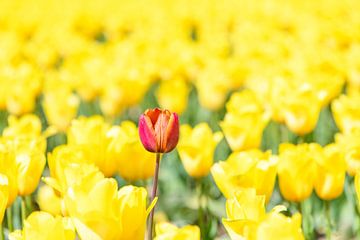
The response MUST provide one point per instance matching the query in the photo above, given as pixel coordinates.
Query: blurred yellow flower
(9, 169)
(43, 226)
(197, 147)
(247, 219)
(350, 145)
(276, 226)
(133, 161)
(346, 112)
(48, 200)
(244, 121)
(30, 161)
(168, 231)
(91, 134)
(297, 170)
(173, 94)
(103, 212)
(28, 125)
(244, 211)
(331, 171)
(248, 169)
(4, 195)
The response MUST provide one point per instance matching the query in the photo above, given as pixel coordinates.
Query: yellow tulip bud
(48, 200)
(4, 195)
(175, 101)
(196, 148)
(350, 145)
(91, 135)
(168, 231)
(60, 107)
(126, 145)
(297, 170)
(244, 121)
(30, 161)
(277, 226)
(244, 210)
(248, 169)
(331, 170)
(346, 111)
(28, 125)
(9, 169)
(43, 226)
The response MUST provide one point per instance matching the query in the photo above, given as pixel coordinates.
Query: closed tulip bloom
(30, 161)
(277, 226)
(350, 145)
(331, 171)
(133, 161)
(248, 169)
(196, 148)
(43, 226)
(175, 101)
(28, 125)
(8, 168)
(103, 212)
(244, 121)
(48, 200)
(244, 210)
(159, 130)
(4, 195)
(346, 111)
(168, 231)
(297, 170)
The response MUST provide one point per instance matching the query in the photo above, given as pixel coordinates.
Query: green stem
(9, 219)
(23, 211)
(2, 232)
(200, 207)
(153, 195)
(328, 220)
(307, 226)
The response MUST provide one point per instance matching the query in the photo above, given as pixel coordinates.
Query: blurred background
(262, 72)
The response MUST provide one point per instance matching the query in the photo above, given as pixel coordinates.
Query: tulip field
(179, 119)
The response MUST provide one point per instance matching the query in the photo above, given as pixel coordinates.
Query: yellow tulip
(91, 134)
(346, 111)
(4, 195)
(197, 147)
(9, 169)
(68, 167)
(48, 200)
(244, 121)
(60, 107)
(248, 169)
(43, 226)
(247, 219)
(30, 161)
(175, 101)
(350, 145)
(331, 170)
(277, 226)
(244, 211)
(297, 170)
(28, 125)
(168, 231)
(133, 161)
(299, 119)
(103, 212)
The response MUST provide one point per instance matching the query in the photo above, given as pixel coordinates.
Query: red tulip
(159, 130)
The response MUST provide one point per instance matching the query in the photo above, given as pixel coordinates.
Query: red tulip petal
(147, 133)
(172, 133)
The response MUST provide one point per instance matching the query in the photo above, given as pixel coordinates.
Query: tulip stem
(153, 195)
(200, 206)
(23, 211)
(9, 219)
(328, 220)
(1, 232)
